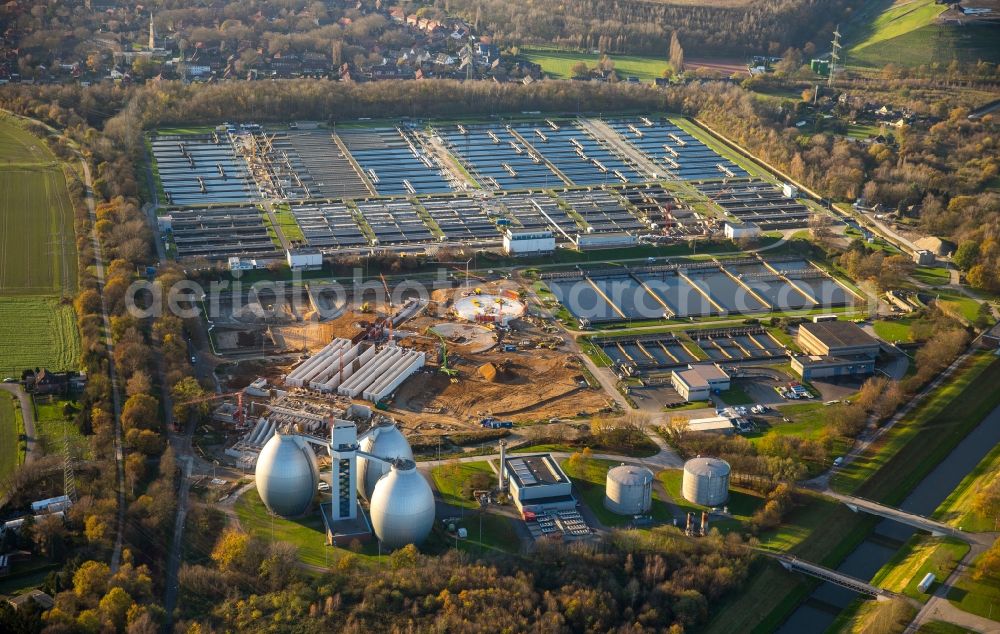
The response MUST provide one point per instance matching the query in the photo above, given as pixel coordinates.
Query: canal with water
(820, 610)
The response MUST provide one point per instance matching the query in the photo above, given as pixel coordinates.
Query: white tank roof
(627, 474)
(710, 467)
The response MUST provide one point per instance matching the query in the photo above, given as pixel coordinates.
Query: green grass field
(305, 532)
(771, 593)
(907, 32)
(10, 453)
(450, 478)
(37, 332)
(980, 597)
(37, 247)
(899, 19)
(896, 330)
(957, 507)
(52, 427)
(589, 476)
(918, 556)
(917, 443)
(37, 256)
(932, 275)
(558, 63)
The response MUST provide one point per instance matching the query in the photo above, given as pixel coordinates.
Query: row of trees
(633, 26)
(658, 582)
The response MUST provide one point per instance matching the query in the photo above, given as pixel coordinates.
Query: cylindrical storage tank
(384, 441)
(402, 506)
(706, 481)
(287, 475)
(629, 490)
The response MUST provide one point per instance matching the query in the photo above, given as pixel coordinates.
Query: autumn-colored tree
(141, 411)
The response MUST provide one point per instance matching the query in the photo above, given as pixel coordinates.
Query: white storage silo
(706, 481)
(629, 490)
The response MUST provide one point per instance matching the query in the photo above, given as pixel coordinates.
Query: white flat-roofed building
(735, 231)
(538, 483)
(304, 258)
(698, 381)
(528, 242)
(717, 424)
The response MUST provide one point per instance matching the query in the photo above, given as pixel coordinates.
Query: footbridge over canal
(934, 527)
(794, 564)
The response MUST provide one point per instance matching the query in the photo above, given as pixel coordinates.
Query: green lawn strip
(306, 533)
(450, 478)
(921, 554)
(595, 353)
(286, 220)
(957, 507)
(498, 534)
(52, 427)
(9, 437)
(980, 597)
(692, 405)
(914, 445)
(589, 476)
(558, 63)
(736, 395)
(932, 275)
(966, 307)
(895, 330)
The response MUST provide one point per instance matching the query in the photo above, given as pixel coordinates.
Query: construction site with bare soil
(487, 358)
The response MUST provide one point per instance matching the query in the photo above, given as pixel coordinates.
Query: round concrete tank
(629, 490)
(402, 506)
(287, 474)
(706, 481)
(385, 441)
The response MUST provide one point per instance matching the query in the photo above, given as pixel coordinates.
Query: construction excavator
(451, 372)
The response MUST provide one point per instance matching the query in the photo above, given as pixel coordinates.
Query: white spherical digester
(387, 442)
(402, 506)
(287, 475)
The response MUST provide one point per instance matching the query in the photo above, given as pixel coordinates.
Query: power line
(835, 55)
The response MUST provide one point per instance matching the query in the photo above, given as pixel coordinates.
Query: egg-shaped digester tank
(402, 506)
(387, 442)
(287, 475)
